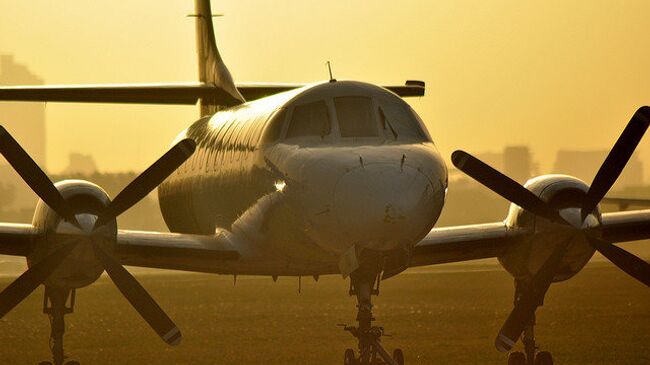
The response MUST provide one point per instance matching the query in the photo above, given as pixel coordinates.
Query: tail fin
(212, 69)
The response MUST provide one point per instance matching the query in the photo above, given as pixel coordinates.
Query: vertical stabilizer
(212, 70)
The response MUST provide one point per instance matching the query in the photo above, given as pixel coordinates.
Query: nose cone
(383, 206)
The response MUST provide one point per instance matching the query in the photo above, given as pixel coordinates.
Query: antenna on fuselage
(329, 68)
(198, 16)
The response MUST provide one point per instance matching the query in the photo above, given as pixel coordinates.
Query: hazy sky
(550, 74)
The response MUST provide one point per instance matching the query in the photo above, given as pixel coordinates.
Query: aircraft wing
(463, 243)
(138, 248)
(174, 93)
(478, 241)
(16, 239)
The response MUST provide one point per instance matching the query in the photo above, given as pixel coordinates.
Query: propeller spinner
(610, 170)
(39, 272)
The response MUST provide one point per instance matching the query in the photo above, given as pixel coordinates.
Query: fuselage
(309, 173)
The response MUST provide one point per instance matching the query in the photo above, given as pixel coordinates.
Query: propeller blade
(528, 302)
(139, 298)
(147, 181)
(504, 186)
(632, 265)
(34, 176)
(26, 283)
(617, 159)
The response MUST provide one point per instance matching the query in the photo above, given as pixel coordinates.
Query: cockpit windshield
(310, 119)
(399, 122)
(355, 116)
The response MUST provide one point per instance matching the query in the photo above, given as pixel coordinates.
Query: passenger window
(398, 122)
(355, 116)
(310, 120)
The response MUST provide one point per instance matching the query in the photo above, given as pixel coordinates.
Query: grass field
(445, 315)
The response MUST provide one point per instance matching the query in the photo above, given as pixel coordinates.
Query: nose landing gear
(371, 352)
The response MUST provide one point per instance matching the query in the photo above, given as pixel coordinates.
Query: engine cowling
(81, 268)
(564, 193)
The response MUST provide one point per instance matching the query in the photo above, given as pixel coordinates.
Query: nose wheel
(541, 358)
(371, 352)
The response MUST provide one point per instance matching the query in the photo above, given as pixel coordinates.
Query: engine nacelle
(81, 267)
(565, 194)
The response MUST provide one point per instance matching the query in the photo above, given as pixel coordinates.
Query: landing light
(280, 185)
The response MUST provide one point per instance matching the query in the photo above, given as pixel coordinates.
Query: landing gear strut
(371, 352)
(530, 356)
(55, 305)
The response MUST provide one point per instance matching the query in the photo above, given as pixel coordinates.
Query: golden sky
(550, 74)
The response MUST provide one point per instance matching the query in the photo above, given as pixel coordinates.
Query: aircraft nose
(383, 206)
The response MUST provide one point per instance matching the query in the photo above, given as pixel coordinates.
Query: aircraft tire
(516, 358)
(348, 357)
(398, 356)
(544, 358)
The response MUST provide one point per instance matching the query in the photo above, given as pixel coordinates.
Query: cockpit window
(398, 122)
(310, 120)
(274, 129)
(355, 116)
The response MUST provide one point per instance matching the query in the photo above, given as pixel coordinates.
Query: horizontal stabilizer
(252, 91)
(178, 93)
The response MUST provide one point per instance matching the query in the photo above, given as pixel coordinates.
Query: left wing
(463, 243)
(478, 241)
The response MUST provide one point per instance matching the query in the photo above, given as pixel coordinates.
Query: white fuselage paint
(306, 199)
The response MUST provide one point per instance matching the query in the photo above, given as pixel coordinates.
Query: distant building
(80, 164)
(494, 159)
(585, 164)
(25, 121)
(517, 163)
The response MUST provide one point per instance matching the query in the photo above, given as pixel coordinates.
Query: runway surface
(443, 315)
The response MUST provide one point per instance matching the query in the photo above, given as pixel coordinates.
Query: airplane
(331, 178)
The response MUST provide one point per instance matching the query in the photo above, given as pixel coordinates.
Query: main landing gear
(55, 305)
(371, 352)
(530, 355)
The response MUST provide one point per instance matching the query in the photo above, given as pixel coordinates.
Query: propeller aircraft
(330, 178)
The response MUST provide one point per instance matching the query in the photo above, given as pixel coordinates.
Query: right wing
(17, 239)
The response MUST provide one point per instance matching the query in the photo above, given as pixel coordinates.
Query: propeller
(610, 170)
(129, 196)
(25, 166)
(504, 186)
(616, 160)
(26, 283)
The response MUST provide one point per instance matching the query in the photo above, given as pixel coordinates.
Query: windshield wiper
(386, 121)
